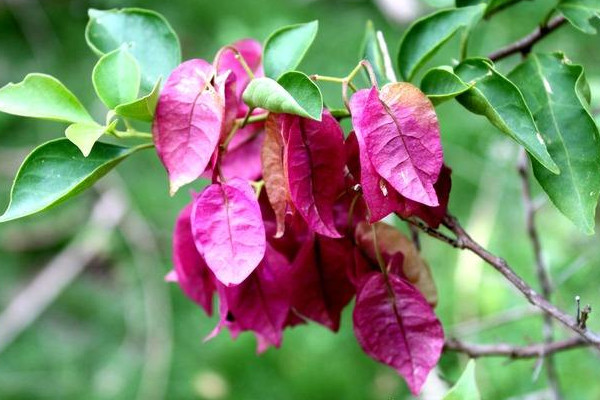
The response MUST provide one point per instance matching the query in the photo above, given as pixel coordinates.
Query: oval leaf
(314, 160)
(42, 96)
(268, 94)
(147, 34)
(306, 93)
(229, 231)
(580, 12)
(549, 83)
(501, 102)
(286, 47)
(116, 78)
(57, 171)
(394, 324)
(424, 37)
(188, 123)
(143, 108)
(402, 139)
(441, 84)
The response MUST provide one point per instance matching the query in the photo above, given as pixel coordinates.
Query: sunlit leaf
(116, 78)
(143, 108)
(286, 47)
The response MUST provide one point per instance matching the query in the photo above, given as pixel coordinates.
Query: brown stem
(541, 269)
(524, 45)
(508, 350)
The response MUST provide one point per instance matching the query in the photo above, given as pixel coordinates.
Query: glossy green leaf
(441, 84)
(143, 108)
(57, 171)
(466, 386)
(149, 37)
(84, 136)
(550, 85)
(306, 93)
(501, 102)
(270, 95)
(42, 96)
(374, 50)
(424, 37)
(580, 12)
(116, 78)
(286, 47)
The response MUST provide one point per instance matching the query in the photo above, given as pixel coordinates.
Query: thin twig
(541, 269)
(512, 351)
(524, 45)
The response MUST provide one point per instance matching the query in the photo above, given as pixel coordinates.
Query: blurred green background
(115, 330)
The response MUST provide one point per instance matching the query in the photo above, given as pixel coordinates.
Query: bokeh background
(84, 310)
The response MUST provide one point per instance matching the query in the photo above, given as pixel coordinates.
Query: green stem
(132, 133)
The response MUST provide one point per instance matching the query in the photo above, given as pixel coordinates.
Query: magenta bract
(228, 230)
(401, 134)
(395, 325)
(314, 161)
(188, 122)
(191, 272)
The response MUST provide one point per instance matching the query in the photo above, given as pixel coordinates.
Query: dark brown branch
(512, 351)
(464, 241)
(524, 45)
(541, 268)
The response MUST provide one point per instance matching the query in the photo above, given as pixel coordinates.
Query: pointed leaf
(549, 83)
(188, 123)
(286, 47)
(273, 171)
(268, 94)
(394, 324)
(147, 34)
(391, 241)
(143, 108)
(466, 386)
(314, 162)
(56, 171)
(42, 96)
(228, 230)
(85, 135)
(116, 78)
(374, 50)
(580, 12)
(441, 84)
(501, 102)
(402, 138)
(193, 275)
(424, 37)
(306, 93)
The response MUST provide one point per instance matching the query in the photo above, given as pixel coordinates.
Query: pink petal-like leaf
(242, 159)
(228, 230)
(320, 284)
(273, 171)
(188, 122)
(315, 158)
(394, 324)
(192, 273)
(402, 138)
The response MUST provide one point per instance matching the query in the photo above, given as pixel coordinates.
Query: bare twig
(541, 269)
(524, 45)
(512, 351)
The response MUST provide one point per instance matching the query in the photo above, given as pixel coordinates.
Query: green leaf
(425, 36)
(467, 3)
(501, 102)
(116, 78)
(57, 171)
(149, 37)
(374, 50)
(306, 93)
(550, 84)
(441, 84)
(286, 47)
(270, 95)
(42, 96)
(580, 12)
(141, 109)
(85, 135)
(466, 386)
